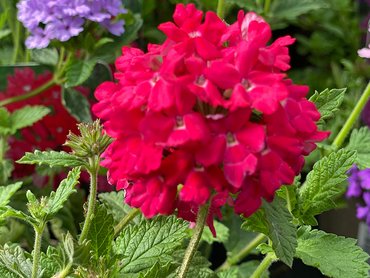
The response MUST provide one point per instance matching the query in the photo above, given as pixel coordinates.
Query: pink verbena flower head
(48, 20)
(207, 113)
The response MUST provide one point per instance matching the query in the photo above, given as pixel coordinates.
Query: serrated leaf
(13, 262)
(52, 158)
(57, 199)
(281, 230)
(6, 192)
(141, 246)
(222, 233)
(275, 221)
(360, 142)
(101, 232)
(77, 105)
(199, 267)
(158, 271)
(27, 116)
(328, 102)
(6, 212)
(114, 202)
(335, 256)
(5, 123)
(77, 72)
(45, 56)
(257, 222)
(324, 183)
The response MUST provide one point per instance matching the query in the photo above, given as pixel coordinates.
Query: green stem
(264, 265)
(125, 220)
(243, 253)
(93, 172)
(221, 8)
(37, 249)
(16, 41)
(343, 133)
(266, 7)
(33, 93)
(194, 241)
(65, 271)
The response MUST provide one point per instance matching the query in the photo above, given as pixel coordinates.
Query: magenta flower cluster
(63, 19)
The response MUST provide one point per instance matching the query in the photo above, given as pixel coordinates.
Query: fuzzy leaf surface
(335, 256)
(27, 116)
(6, 192)
(360, 142)
(52, 159)
(328, 101)
(13, 262)
(78, 72)
(324, 183)
(64, 190)
(141, 246)
(101, 232)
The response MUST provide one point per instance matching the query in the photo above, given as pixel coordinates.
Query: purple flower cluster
(62, 19)
(359, 187)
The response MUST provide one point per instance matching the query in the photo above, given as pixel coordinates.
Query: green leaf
(6, 168)
(335, 256)
(324, 184)
(57, 258)
(158, 271)
(4, 33)
(57, 199)
(13, 262)
(238, 237)
(77, 72)
(281, 230)
(27, 116)
(5, 122)
(114, 202)
(101, 232)
(77, 105)
(292, 9)
(45, 56)
(328, 102)
(6, 212)
(275, 221)
(6, 192)
(141, 246)
(257, 222)
(52, 158)
(199, 266)
(360, 142)
(222, 233)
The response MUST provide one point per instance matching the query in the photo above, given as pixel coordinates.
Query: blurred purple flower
(62, 19)
(363, 212)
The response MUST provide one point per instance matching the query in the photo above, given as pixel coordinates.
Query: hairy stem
(221, 8)
(65, 271)
(93, 172)
(37, 249)
(343, 133)
(194, 241)
(125, 220)
(33, 93)
(243, 253)
(264, 265)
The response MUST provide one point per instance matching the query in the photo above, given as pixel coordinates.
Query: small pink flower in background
(208, 113)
